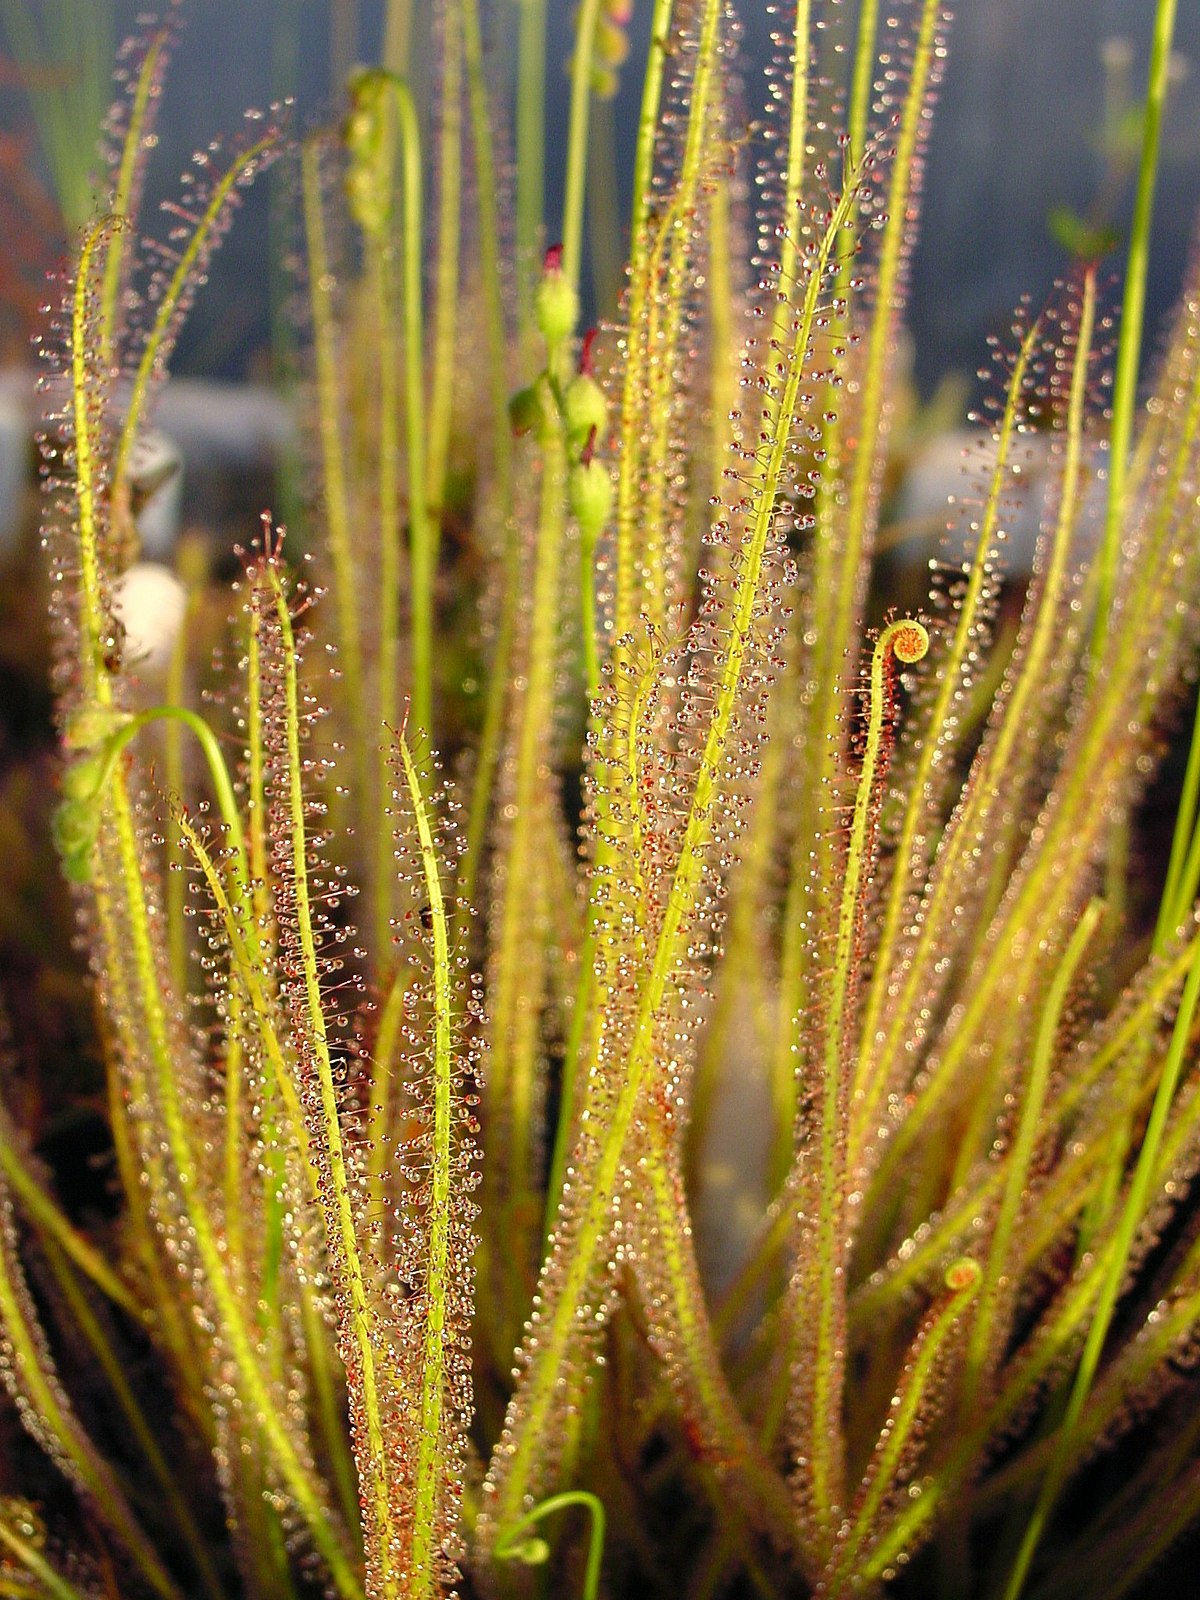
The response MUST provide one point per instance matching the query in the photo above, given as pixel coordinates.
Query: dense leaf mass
(791, 1155)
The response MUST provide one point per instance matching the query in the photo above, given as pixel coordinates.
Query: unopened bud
(369, 135)
(91, 725)
(590, 495)
(75, 827)
(93, 736)
(533, 1552)
(585, 409)
(612, 44)
(604, 82)
(531, 410)
(555, 302)
(75, 823)
(610, 47)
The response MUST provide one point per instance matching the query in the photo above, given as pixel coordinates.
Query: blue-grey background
(1015, 134)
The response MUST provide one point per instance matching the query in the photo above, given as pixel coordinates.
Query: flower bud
(610, 47)
(75, 827)
(604, 82)
(584, 408)
(75, 823)
(91, 725)
(532, 410)
(555, 302)
(533, 1552)
(612, 44)
(590, 495)
(369, 135)
(93, 735)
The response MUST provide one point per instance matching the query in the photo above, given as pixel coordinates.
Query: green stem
(903, 1424)
(867, 1092)
(489, 247)
(31, 1558)
(587, 613)
(432, 1472)
(603, 203)
(339, 1211)
(577, 139)
(110, 1364)
(667, 315)
(31, 1375)
(669, 1280)
(986, 1337)
(1133, 307)
(531, 139)
(573, 1261)
(908, 641)
(642, 242)
(861, 81)
(1116, 1266)
(209, 1252)
(515, 989)
(647, 130)
(167, 308)
(513, 1546)
(96, 684)
(489, 266)
(124, 200)
(423, 533)
(1183, 867)
(382, 273)
(397, 36)
(218, 772)
(55, 1228)
(333, 460)
(175, 888)
(446, 283)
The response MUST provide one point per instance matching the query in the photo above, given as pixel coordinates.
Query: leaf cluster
(836, 1092)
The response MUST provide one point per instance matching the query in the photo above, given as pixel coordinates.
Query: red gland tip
(587, 362)
(552, 260)
(588, 452)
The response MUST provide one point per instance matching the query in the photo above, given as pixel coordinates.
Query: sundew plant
(570, 789)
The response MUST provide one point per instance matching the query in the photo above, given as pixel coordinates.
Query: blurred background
(1036, 124)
